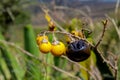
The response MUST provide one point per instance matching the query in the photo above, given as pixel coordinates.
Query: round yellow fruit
(41, 38)
(45, 47)
(58, 49)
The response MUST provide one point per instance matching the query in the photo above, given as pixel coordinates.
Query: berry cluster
(77, 49)
(57, 48)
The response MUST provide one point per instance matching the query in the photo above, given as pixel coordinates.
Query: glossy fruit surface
(58, 49)
(40, 38)
(78, 50)
(45, 47)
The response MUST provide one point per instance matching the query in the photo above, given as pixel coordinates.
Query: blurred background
(22, 20)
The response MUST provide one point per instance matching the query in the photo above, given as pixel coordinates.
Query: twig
(29, 54)
(89, 31)
(105, 60)
(96, 72)
(113, 67)
(44, 10)
(80, 66)
(60, 32)
(71, 36)
(58, 69)
(104, 29)
(115, 64)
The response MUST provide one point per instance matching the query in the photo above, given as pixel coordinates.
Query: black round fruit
(78, 51)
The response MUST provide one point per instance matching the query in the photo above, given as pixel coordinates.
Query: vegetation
(75, 49)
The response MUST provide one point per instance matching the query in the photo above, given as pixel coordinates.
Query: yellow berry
(74, 33)
(45, 47)
(58, 48)
(40, 38)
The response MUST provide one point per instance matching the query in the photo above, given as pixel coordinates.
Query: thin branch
(89, 31)
(96, 72)
(60, 70)
(46, 9)
(110, 65)
(115, 63)
(60, 32)
(104, 29)
(29, 54)
(80, 66)
(104, 60)
(71, 36)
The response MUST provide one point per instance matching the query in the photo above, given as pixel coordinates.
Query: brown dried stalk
(80, 66)
(114, 63)
(104, 29)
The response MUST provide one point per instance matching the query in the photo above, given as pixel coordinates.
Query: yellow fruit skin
(58, 49)
(40, 38)
(45, 47)
(74, 33)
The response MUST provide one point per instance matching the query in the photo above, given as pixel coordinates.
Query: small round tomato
(58, 48)
(45, 47)
(40, 39)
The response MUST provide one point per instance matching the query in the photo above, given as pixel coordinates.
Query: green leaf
(10, 61)
(33, 70)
